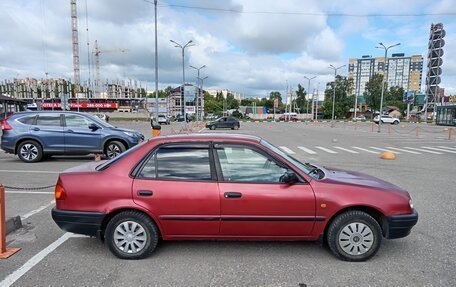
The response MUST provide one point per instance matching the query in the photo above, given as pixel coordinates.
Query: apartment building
(402, 71)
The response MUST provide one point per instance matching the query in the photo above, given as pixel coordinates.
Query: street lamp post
(156, 67)
(201, 80)
(198, 85)
(177, 45)
(308, 91)
(334, 91)
(383, 80)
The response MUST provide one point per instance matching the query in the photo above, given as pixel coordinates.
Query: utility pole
(308, 92)
(201, 101)
(156, 67)
(198, 85)
(75, 44)
(334, 91)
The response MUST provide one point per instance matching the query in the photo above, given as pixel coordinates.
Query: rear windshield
(111, 162)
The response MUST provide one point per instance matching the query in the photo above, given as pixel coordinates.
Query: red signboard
(83, 105)
(276, 103)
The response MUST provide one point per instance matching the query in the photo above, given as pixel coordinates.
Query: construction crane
(97, 52)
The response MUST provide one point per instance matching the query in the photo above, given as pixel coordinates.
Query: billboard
(189, 93)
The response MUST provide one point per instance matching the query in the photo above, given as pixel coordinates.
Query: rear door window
(27, 120)
(48, 120)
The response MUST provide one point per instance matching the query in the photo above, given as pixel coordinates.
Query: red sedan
(227, 187)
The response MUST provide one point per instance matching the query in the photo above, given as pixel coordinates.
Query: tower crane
(97, 52)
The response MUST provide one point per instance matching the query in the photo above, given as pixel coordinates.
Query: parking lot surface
(425, 166)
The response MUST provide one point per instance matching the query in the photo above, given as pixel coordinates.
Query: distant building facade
(402, 71)
(237, 95)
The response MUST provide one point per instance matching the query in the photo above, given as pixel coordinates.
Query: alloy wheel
(29, 152)
(113, 150)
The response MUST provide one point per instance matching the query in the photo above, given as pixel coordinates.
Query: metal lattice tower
(436, 43)
(74, 30)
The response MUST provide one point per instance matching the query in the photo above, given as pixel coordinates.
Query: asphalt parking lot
(425, 166)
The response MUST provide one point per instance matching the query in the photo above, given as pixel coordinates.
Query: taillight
(6, 126)
(59, 191)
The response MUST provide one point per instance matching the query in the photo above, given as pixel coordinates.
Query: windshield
(305, 167)
(99, 121)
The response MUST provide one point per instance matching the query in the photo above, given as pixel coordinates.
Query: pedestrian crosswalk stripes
(447, 147)
(325, 149)
(309, 151)
(423, 150)
(346, 149)
(438, 149)
(366, 150)
(383, 149)
(315, 150)
(403, 150)
(287, 150)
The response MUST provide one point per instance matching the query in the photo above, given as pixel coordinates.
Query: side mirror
(93, 127)
(289, 177)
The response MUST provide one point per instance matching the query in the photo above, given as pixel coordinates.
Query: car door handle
(35, 129)
(233, 195)
(70, 131)
(145, 192)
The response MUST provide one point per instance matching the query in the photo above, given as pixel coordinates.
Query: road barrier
(5, 252)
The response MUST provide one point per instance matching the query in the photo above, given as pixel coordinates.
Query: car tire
(113, 149)
(212, 128)
(139, 239)
(30, 151)
(236, 127)
(395, 123)
(354, 236)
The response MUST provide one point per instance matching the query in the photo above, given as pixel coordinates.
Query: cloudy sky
(249, 46)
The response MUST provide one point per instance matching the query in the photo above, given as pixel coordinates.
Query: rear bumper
(80, 222)
(400, 225)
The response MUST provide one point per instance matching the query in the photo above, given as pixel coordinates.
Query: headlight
(411, 204)
(133, 135)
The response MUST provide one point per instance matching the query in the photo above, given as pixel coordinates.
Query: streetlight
(200, 89)
(334, 90)
(383, 80)
(308, 91)
(198, 84)
(177, 45)
(156, 67)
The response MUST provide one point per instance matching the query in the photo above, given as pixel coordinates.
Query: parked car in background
(224, 122)
(235, 187)
(387, 119)
(33, 135)
(292, 118)
(103, 117)
(163, 120)
(359, 118)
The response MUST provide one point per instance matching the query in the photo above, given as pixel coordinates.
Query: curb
(13, 224)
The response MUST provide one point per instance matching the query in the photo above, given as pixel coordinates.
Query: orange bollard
(4, 251)
(97, 157)
(450, 133)
(372, 127)
(389, 130)
(417, 130)
(356, 125)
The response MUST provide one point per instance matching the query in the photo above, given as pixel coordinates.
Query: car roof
(209, 137)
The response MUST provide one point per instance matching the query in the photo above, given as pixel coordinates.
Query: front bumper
(399, 226)
(80, 222)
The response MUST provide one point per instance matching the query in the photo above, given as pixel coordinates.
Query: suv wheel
(354, 236)
(113, 149)
(131, 235)
(212, 127)
(395, 123)
(30, 151)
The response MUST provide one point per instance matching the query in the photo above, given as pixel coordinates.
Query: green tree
(394, 97)
(300, 101)
(373, 92)
(231, 102)
(342, 103)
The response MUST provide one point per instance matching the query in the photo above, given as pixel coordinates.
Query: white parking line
(309, 151)
(28, 192)
(366, 150)
(326, 149)
(446, 147)
(29, 171)
(287, 150)
(404, 150)
(345, 149)
(438, 149)
(13, 277)
(423, 150)
(35, 211)
(384, 149)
